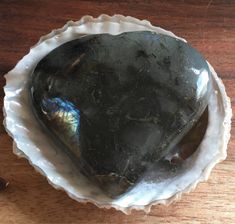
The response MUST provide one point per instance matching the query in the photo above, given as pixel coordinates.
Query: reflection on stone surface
(190, 142)
(119, 104)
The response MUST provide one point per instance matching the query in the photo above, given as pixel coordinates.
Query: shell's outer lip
(53, 39)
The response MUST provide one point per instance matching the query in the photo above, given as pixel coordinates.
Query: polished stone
(119, 104)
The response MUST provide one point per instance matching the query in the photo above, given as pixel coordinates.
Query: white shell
(31, 142)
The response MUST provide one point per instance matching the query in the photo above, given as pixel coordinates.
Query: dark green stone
(119, 104)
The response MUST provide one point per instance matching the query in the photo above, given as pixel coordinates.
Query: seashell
(120, 103)
(163, 181)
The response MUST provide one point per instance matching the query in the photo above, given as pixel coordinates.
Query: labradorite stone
(118, 104)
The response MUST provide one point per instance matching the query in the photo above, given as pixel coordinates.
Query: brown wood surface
(208, 25)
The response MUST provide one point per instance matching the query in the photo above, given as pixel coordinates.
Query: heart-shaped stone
(119, 103)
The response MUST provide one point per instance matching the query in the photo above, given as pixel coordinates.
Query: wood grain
(208, 25)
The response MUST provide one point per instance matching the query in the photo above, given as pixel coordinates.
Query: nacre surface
(119, 104)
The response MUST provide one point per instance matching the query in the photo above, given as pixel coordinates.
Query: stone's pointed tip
(113, 185)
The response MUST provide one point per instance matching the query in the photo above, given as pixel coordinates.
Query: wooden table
(208, 25)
